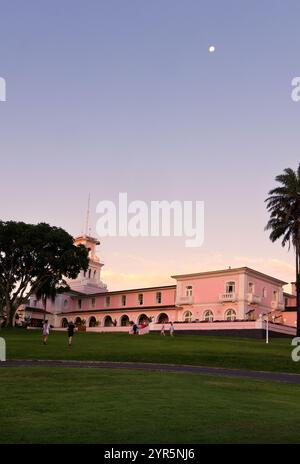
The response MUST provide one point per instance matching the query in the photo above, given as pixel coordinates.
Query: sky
(114, 96)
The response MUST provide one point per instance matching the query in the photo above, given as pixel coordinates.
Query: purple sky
(123, 96)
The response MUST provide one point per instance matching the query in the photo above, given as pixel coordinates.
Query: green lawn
(182, 349)
(57, 405)
(71, 405)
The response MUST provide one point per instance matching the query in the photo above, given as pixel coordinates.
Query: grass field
(59, 405)
(182, 349)
(72, 405)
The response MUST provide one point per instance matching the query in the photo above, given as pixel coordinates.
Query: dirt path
(260, 375)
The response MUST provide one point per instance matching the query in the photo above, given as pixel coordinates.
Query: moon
(211, 49)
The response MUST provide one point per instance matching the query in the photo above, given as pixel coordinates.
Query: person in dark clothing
(134, 329)
(71, 330)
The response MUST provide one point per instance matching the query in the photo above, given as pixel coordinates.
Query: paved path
(259, 375)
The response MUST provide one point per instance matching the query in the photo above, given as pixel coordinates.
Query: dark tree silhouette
(32, 256)
(283, 204)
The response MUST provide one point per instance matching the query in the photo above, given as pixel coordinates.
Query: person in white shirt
(46, 331)
(172, 329)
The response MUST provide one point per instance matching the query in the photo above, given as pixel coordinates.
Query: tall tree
(283, 204)
(32, 254)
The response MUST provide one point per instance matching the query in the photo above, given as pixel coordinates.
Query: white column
(242, 305)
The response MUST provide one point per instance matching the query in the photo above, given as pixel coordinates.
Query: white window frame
(208, 315)
(188, 290)
(232, 317)
(230, 282)
(187, 316)
(252, 286)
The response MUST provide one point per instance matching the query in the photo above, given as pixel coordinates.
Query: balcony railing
(277, 305)
(227, 296)
(185, 300)
(253, 299)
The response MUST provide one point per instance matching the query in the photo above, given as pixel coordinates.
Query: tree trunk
(10, 311)
(298, 309)
(45, 307)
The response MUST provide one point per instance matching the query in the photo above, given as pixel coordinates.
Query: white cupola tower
(90, 281)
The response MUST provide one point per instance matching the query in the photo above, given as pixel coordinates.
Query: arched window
(124, 322)
(64, 322)
(92, 322)
(163, 318)
(187, 317)
(230, 315)
(95, 272)
(230, 287)
(143, 318)
(77, 321)
(90, 273)
(208, 316)
(264, 292)
(65, 303)
(108, 321)
(251, 287)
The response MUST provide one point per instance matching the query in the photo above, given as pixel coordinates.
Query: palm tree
(49, 289)
(283, 204)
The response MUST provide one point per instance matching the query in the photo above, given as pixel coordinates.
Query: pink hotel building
(227, 301)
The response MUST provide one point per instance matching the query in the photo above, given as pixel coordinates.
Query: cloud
(137, 260)
(120, 281)
(145, 273)
(271, 263)
(272, 266)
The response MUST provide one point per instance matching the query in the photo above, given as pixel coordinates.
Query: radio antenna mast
(87, 226)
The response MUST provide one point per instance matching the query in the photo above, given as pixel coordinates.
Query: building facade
(228, 295)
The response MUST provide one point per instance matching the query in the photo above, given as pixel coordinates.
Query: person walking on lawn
(46, 331)
(171, 329)
(71, 330)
